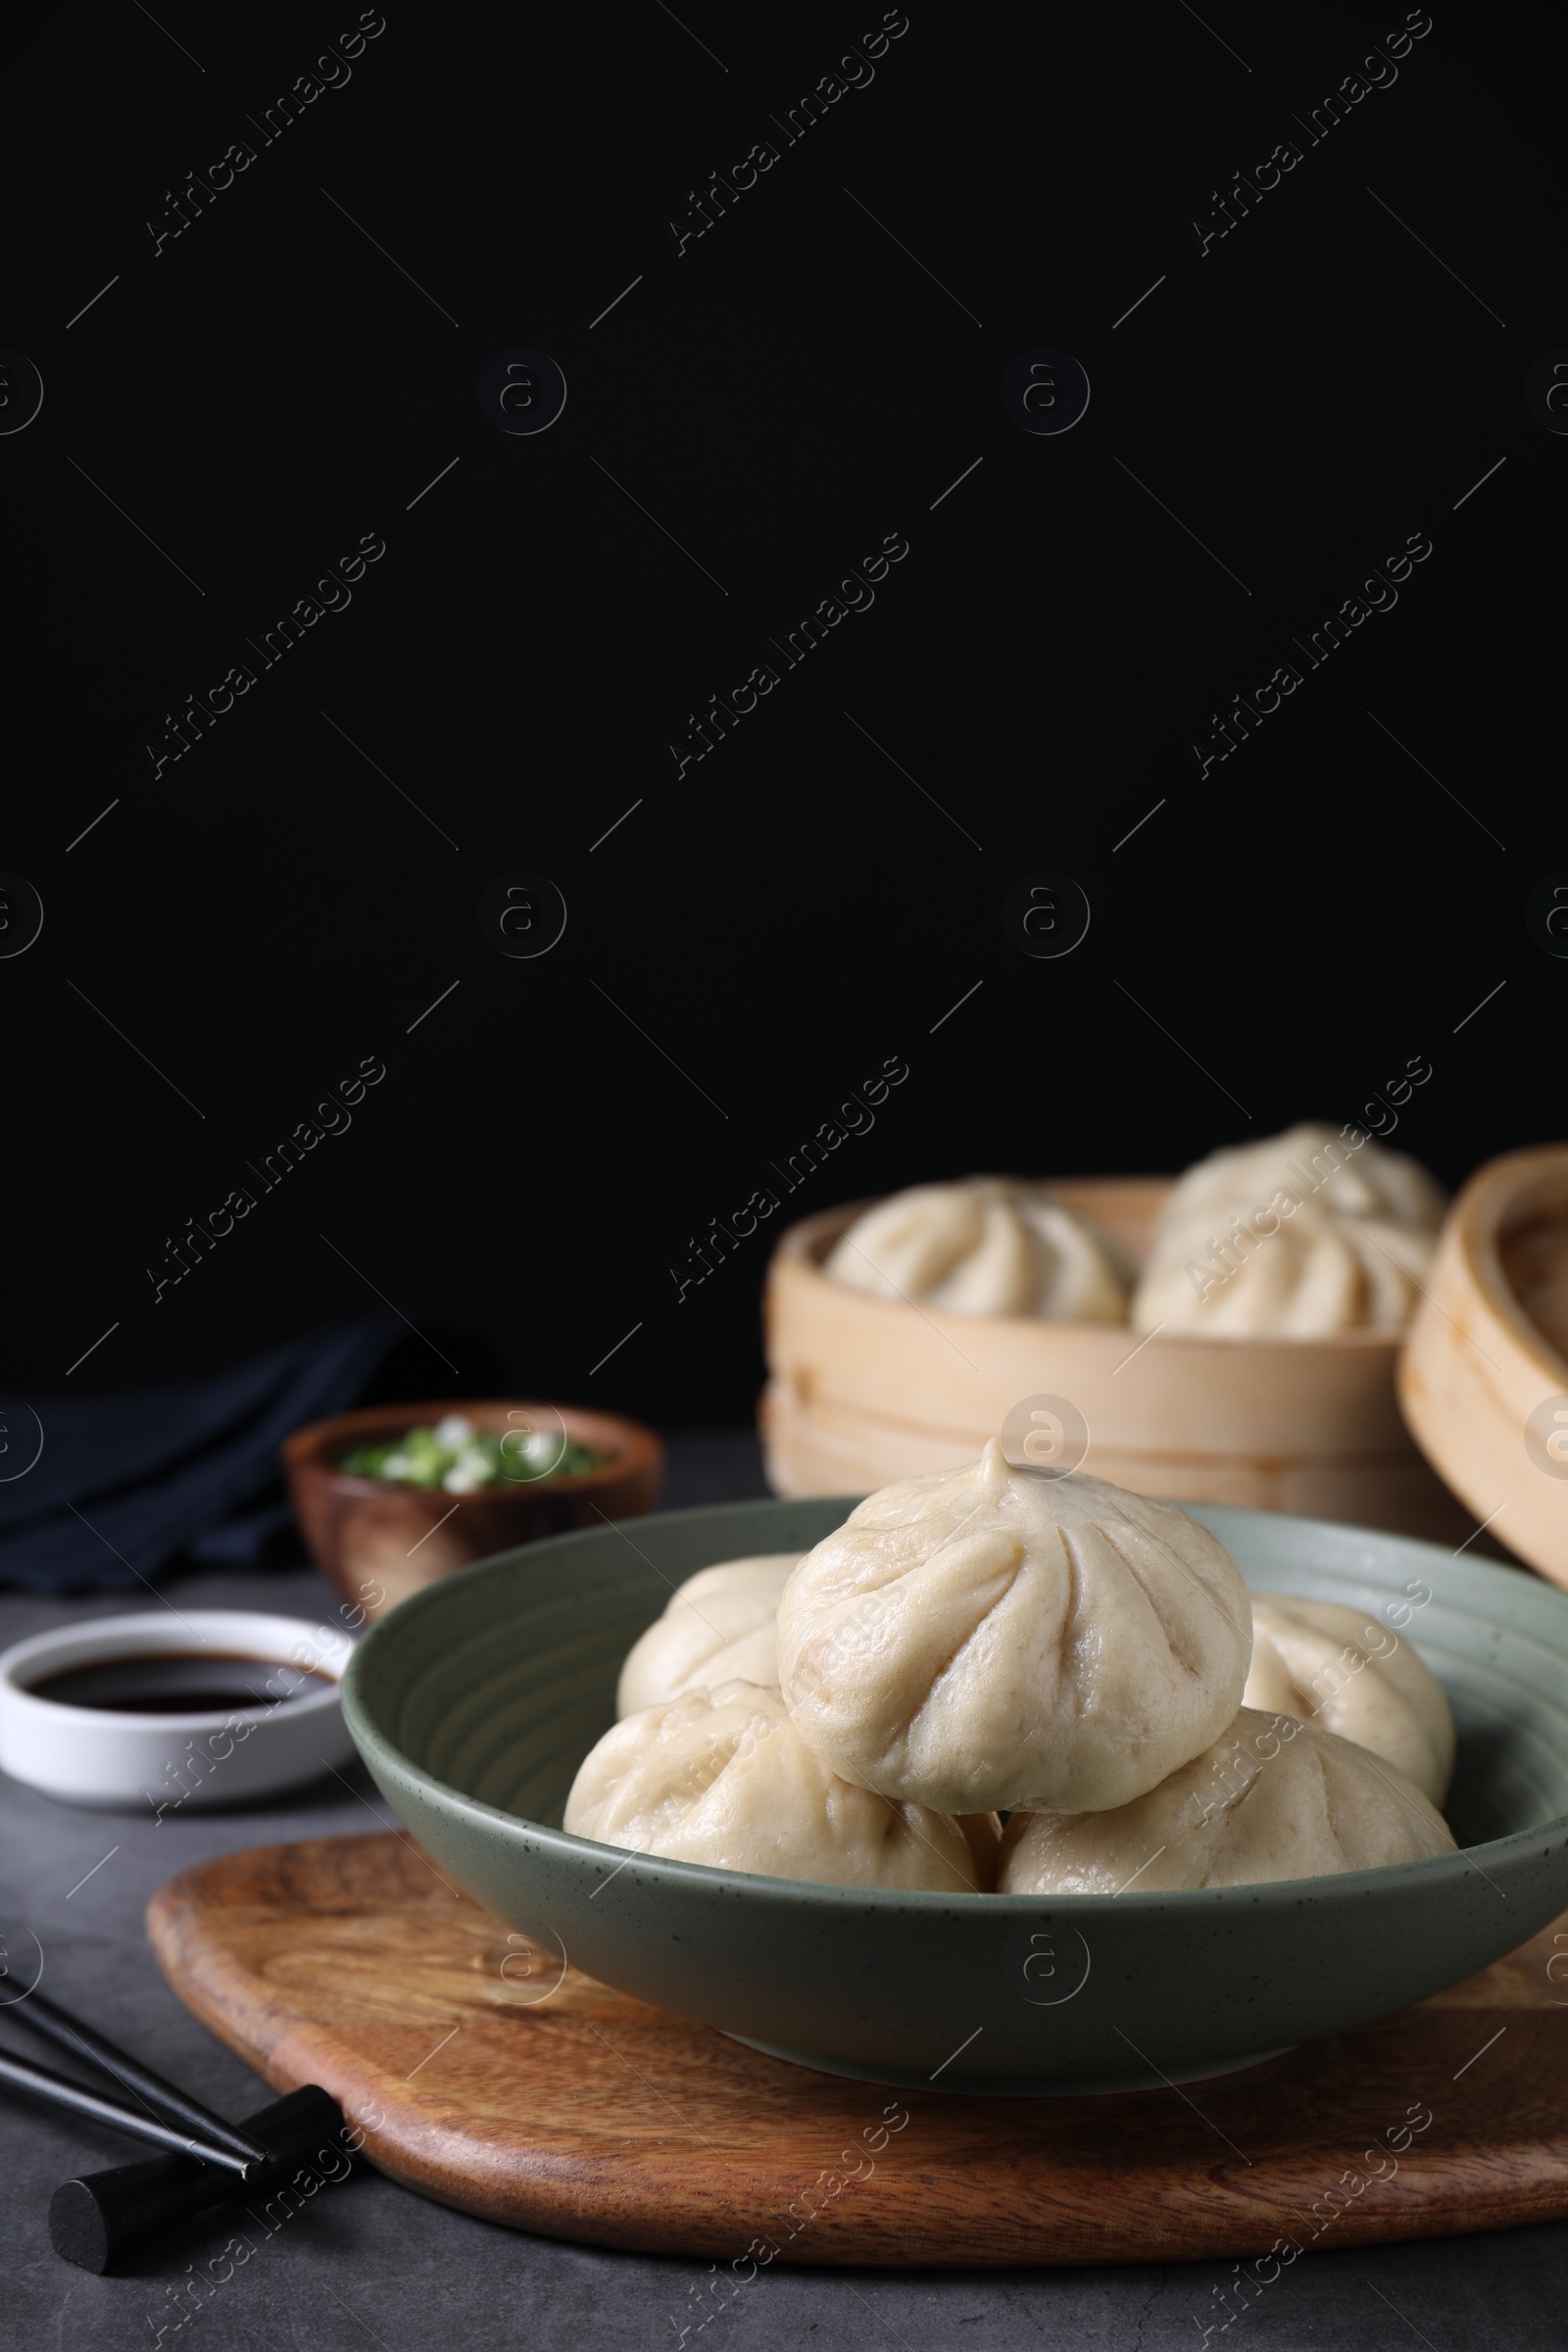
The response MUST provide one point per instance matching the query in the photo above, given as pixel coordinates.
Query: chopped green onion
(461, 1459)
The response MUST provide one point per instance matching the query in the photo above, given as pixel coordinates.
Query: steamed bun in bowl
(717, 1627)
(1274, 1799)
(724, 1776)
(990, 1638)
(1323, 1662)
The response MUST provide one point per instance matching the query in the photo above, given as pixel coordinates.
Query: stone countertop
(372, 2265)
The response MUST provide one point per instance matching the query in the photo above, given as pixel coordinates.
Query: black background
(792, 910)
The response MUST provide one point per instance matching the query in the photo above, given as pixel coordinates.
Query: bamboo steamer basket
(863, 1391)
(1479, 1366)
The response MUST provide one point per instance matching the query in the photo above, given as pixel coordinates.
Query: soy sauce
(182, 1683)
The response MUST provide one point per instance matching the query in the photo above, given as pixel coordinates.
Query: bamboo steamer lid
(863, 1391)
(1484, 1384)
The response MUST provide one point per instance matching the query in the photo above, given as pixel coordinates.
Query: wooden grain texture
(489, 2077)
(1479, 1363)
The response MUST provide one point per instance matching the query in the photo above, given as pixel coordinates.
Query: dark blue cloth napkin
(129, 1479)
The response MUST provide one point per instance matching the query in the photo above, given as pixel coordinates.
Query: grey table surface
(369, 2264)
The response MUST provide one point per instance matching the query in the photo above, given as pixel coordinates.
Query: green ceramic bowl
(475, 1702)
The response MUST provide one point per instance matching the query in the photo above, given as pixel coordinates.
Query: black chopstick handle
(101, 2220)
(167, 2100)
(42, 2083)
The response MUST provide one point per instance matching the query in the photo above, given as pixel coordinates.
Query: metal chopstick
(58, 2090)
(174, 2105)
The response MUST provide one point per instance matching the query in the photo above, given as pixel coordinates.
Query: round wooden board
(489, 2077)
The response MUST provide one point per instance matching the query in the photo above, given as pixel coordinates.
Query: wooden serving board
(490, 2079)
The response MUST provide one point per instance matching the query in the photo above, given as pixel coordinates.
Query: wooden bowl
(378, 1541)
(863, 1391)
(1479, 1365)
